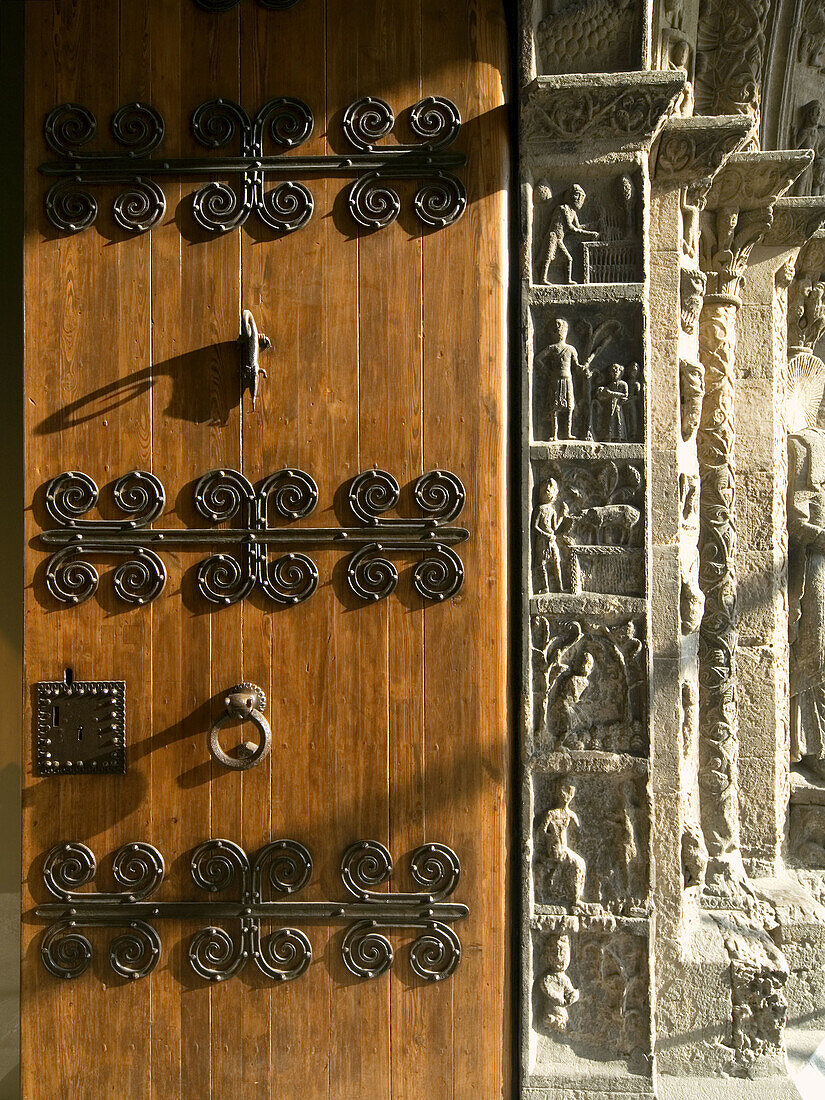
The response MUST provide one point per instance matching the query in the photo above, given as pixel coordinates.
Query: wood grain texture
(389, 721)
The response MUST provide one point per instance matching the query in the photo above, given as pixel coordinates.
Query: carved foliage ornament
(218, 207)
(243, 562)
(265, 885)
(624, 109)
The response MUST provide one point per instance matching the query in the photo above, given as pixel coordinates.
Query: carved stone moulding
(752, 181)
(691, 149)
(795, 220)
(590, 991)
(618, 108)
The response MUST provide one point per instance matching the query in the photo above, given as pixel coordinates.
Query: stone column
(740, 212)
(719, 739)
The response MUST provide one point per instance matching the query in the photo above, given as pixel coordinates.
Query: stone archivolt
(645, 739)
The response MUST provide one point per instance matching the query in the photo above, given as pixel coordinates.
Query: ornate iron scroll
(243, 561)
(282, 868)
(218, 207)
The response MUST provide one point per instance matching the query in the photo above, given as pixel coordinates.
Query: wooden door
(389, 716)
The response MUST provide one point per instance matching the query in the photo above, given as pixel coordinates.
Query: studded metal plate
(80, 727)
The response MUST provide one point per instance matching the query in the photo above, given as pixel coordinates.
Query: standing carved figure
(559, 359)
(564, 875)
(549, 520)
(810, 134)
(564, 220)
(613, 396)
(633, 408)
(559, 992)
(806, 529)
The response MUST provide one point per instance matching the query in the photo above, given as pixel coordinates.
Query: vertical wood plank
(466, 714)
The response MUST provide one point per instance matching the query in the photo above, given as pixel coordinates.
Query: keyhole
(55, 716)
(80, 733)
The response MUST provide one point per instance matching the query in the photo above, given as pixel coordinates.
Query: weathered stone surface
(672, 768)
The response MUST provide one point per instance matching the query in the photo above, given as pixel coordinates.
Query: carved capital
(620, 108)
(740, 212)
(749, 181)
(795, 220)
(728, 236)
(690, 150)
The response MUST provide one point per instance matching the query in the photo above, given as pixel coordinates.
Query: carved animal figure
(613, 523)
(587, 36)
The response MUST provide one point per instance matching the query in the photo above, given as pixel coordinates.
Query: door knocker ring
(244, 702)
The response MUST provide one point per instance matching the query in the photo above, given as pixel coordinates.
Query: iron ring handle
(245, 702)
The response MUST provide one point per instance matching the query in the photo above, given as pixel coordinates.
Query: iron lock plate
(80, 727)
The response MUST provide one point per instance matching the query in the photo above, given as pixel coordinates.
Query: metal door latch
(246, 703)
(251, 342)
(80, 727)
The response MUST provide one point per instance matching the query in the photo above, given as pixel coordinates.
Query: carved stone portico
(678, 884)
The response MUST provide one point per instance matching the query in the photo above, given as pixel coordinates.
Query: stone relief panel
(590, 996)
(589, 685)
(588, 527)
(588, 36)
(590, 842)
(587, 379)
(587, 231)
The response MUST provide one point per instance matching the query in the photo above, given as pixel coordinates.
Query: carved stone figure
(614, 1013)
(549, 521)
(559, 359)
(691, 597)
(679, 58)
(564, 220)
(810, 134)
(691, 294)
(809, 310)
(812, 35)
(564, 869)
(634, 407)
(806, 582)
(609, 524)
(613, 396)
(691, 393)
(694, 856)
(624, 836)
(571, 688)
(559, 992)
